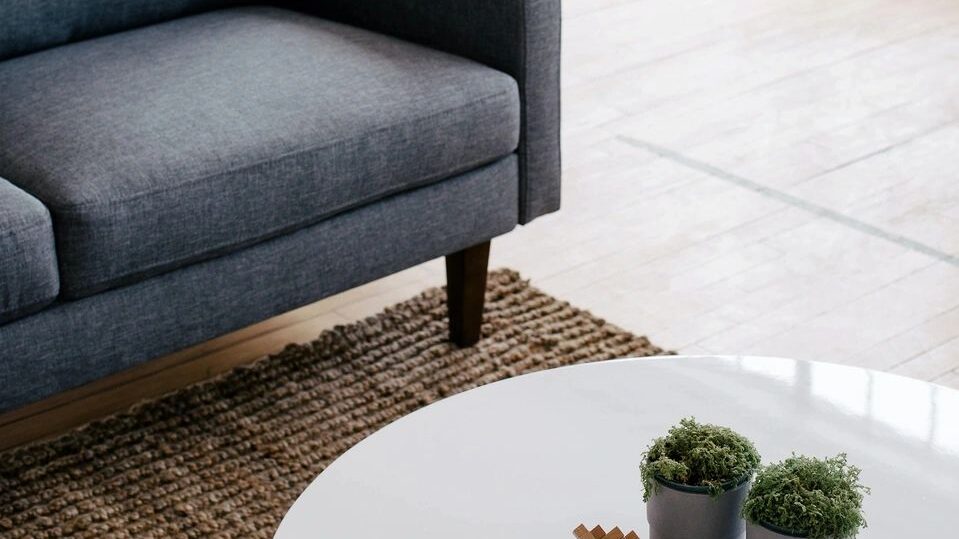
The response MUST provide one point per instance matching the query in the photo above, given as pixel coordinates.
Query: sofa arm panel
(518, 37)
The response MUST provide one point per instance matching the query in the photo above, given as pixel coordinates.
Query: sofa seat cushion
(158, 147)
(28, 262)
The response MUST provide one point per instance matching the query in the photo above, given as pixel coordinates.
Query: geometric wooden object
(597, 533)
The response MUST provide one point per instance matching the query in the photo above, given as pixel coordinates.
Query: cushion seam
(24, 311)
(227, 248)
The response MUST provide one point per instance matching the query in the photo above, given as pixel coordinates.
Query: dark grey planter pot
(760, 531)
(677, 511)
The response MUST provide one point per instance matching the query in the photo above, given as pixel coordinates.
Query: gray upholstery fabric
(162, 146)
(31, 25)
(28, 263)
(518, 37)
(75, 342)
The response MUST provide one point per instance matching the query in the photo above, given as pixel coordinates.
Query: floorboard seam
(881, 151)
(791, 200)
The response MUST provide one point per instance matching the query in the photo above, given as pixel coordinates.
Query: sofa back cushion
(30, 25)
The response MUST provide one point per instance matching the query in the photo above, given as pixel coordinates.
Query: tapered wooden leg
(466, 287)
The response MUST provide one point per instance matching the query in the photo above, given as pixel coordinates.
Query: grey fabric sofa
(172, 170)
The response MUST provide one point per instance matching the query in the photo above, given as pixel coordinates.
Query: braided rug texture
(227, 457)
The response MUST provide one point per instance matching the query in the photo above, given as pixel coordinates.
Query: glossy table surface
(533, 456)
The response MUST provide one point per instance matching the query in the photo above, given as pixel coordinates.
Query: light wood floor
(771, 177)
(754, 176)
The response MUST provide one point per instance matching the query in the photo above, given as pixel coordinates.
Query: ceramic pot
(767, 531)
(677, 511)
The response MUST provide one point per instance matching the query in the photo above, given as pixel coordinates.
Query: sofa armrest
(518, 37)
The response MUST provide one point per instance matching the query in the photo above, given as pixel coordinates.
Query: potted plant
(806, 497)
(695, 480)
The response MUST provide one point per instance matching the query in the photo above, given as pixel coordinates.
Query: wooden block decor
(581, 532)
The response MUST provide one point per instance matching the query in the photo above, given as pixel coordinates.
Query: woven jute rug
(227, 458)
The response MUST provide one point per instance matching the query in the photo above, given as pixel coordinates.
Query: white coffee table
(533, 456)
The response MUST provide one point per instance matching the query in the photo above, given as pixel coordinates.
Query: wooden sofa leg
(466, 287)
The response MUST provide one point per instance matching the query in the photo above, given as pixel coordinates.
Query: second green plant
(806, 497)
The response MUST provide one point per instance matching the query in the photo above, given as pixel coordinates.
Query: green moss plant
(698, 455)
(808, 497)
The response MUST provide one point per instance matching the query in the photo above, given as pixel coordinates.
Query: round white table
(533, 456)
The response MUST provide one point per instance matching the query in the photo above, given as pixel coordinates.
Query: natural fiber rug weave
(227, 458)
